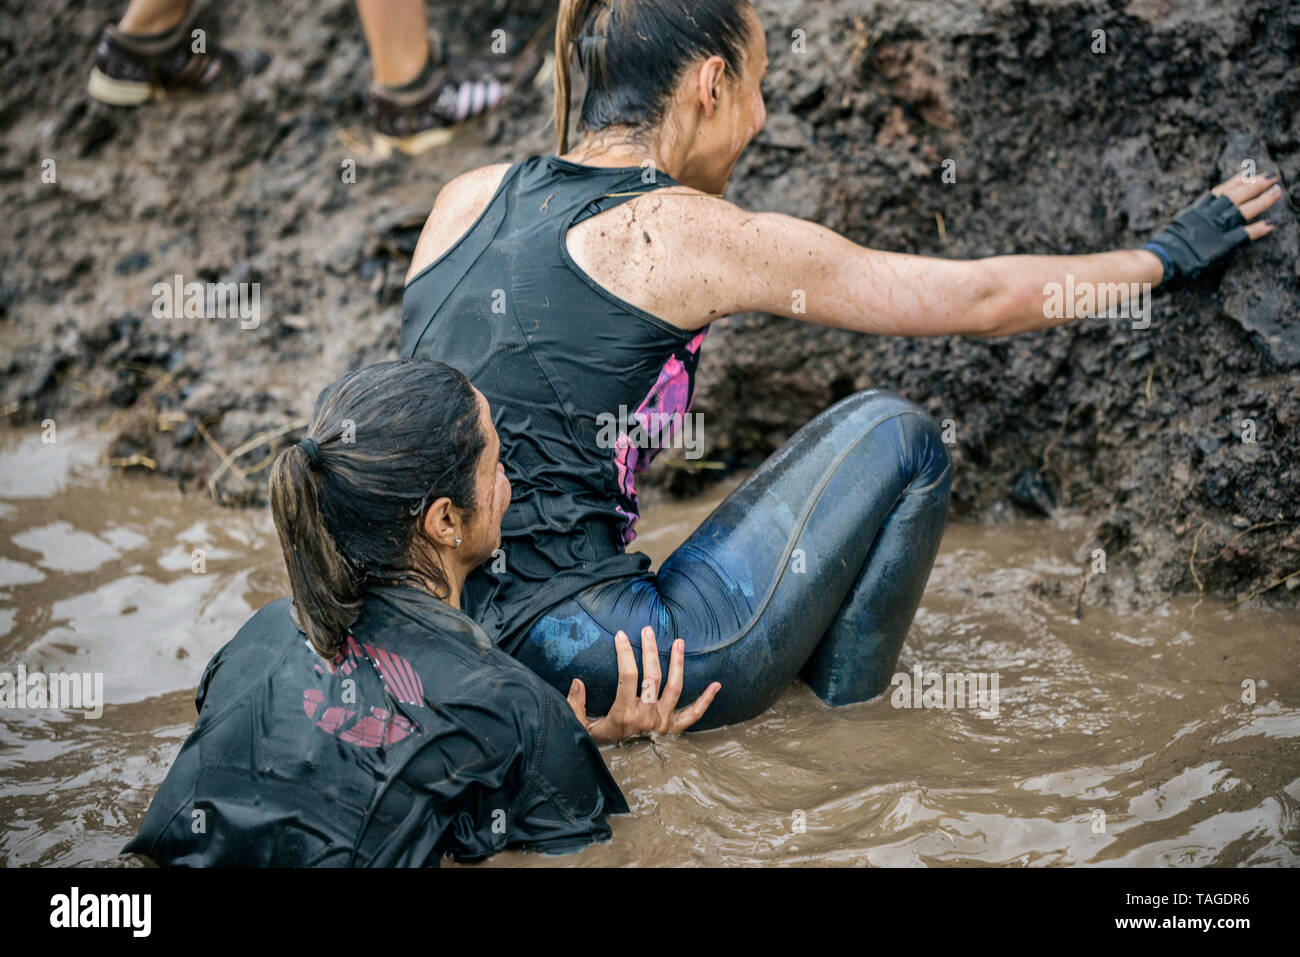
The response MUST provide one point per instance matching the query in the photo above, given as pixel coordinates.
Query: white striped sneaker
(420, 120)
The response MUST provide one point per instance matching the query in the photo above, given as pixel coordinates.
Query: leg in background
(419, 96)
(154, 51)
(397, 33)
(150, 17)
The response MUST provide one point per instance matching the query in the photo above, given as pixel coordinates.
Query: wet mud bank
(1179, 441)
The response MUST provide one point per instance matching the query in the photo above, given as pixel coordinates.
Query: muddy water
(1117, 740)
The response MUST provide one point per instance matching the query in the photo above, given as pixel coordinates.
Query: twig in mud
(1087, 577)
(260, 439)
(1150, 372)
(1256, 594)
(1052, 444)
(225, 459)
(1246, 531)
(137, 459)
(1191, 563)
(152, 372)
(1084, 496)
(254, 469)
(938, 219)
(1078, 600)
(167, 421)
(866, 40)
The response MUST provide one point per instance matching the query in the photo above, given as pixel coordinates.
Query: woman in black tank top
(813, 567)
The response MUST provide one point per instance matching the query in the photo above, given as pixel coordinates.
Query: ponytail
(573, 13)
(326, 589)
(349, 500)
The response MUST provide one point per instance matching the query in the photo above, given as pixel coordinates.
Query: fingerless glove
(1199, 236)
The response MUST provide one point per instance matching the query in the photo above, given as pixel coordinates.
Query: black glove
(1199, 236)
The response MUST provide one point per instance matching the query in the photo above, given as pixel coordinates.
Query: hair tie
(312, 448)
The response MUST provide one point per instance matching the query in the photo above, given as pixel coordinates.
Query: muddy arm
(779, 264)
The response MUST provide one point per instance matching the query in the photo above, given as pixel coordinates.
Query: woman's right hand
(634, 713)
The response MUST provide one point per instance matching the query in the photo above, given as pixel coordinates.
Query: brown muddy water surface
(1139, 719)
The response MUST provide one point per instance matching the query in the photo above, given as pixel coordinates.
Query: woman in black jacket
(367, 720)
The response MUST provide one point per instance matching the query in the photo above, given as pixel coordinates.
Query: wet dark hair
(633, 52)
(349, 500)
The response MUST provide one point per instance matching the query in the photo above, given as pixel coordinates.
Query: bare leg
(397, 32)
(144, 17)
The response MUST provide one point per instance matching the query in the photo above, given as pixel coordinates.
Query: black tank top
(557, 356)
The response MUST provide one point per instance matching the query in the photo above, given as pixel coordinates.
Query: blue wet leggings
(814, 567)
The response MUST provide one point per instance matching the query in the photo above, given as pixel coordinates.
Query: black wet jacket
(424, 740)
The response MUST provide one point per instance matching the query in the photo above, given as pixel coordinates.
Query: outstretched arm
(778, 264)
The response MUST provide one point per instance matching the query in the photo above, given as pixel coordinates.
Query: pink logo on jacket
(378, 726)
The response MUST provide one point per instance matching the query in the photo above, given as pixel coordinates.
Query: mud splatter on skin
(1056, 149)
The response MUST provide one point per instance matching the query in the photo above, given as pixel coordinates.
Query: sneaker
(130, 70)
(434, 107)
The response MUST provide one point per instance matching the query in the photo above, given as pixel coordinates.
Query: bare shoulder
(470, 190)
(457, 206)
(681, 208)
(675, 221)
(666, 252)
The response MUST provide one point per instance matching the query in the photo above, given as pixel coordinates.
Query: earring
(457, 541)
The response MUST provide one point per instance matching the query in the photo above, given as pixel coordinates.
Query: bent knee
(924, 451)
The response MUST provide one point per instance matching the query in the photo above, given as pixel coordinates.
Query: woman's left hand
(634, 713)
(1207, 231)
